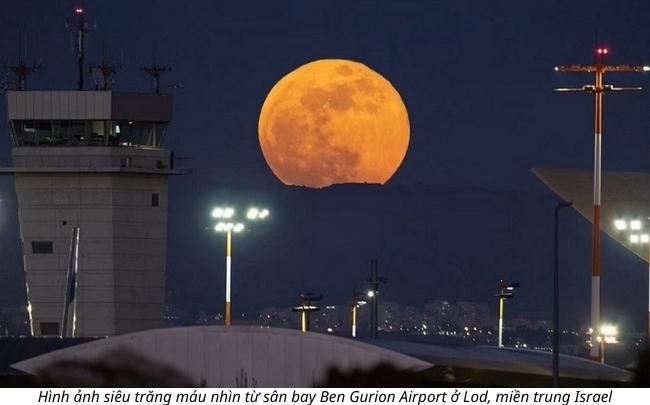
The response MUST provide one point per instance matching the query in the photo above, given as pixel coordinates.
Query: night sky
(463, 210)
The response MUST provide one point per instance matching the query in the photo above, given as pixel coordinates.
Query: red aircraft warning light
(602, 51)
(79, 11)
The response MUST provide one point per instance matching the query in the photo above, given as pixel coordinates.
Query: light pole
(306, 307)
(556, 294)
(373, 294)
(357, 301)
(227, 224)
(637, 238)
(606, 334)
(506, 291)
(598, 89)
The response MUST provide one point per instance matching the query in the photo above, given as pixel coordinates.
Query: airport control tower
(91, 178)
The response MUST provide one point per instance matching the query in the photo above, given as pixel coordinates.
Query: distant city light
(371, 294)
(646, 68)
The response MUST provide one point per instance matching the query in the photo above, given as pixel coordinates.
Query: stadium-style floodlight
(357, 301)
(229, 225)
(607, 334)
(599, 88)
(306, 307)
(506, 291)
(637, 237)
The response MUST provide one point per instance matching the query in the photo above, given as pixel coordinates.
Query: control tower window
(49, 328)
(88, 133)
(42, 247)
(130, 133)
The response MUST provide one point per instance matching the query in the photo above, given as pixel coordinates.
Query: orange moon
(333, 121)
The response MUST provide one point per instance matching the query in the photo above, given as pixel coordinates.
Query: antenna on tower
(22, 70)
(79, 30)
(103, 73)
(155, 71)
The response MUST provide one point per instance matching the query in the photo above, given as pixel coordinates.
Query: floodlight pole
(556, 293)
(501, 299)
(648, 342)
(228, 315)
(598, 89)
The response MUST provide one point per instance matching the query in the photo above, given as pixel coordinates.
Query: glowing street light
(507, 291)
(607, 334)
(306, 307)
(637, 238)
(227, 224)
(357, 301)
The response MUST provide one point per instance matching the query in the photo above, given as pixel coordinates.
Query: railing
(97, 162)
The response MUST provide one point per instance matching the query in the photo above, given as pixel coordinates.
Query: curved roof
(508, 360)
(222, 356)
(624, 195)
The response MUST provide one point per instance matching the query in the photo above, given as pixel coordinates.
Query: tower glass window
(42, 247)
(88, 133)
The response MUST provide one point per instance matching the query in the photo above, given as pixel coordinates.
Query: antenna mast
(79, 30)
(22, 70)
(106, 71)
(155, 71)
(598, 89)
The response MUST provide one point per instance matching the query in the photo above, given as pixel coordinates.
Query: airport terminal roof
(624, 195)
(218, 355)
(511, 360)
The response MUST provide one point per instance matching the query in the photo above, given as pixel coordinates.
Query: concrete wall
(122, 255)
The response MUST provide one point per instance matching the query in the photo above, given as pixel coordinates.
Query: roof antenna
(104, 72)
(155, 71)
(79, 30)
(22, 70)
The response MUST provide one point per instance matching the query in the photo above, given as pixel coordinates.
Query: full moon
(333, 121)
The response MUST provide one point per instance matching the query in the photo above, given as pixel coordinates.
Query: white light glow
(645, 238)
(228, 226)
(228, 212)
(635, 225)
(238, 227)
(263, 214)
(371, 293)
(252, 213)
(220, 227)
(620, 224)
(608, 330)
(634, 238)
(217, 212)
(646, 68)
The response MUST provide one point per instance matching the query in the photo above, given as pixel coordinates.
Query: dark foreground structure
(250, 356)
